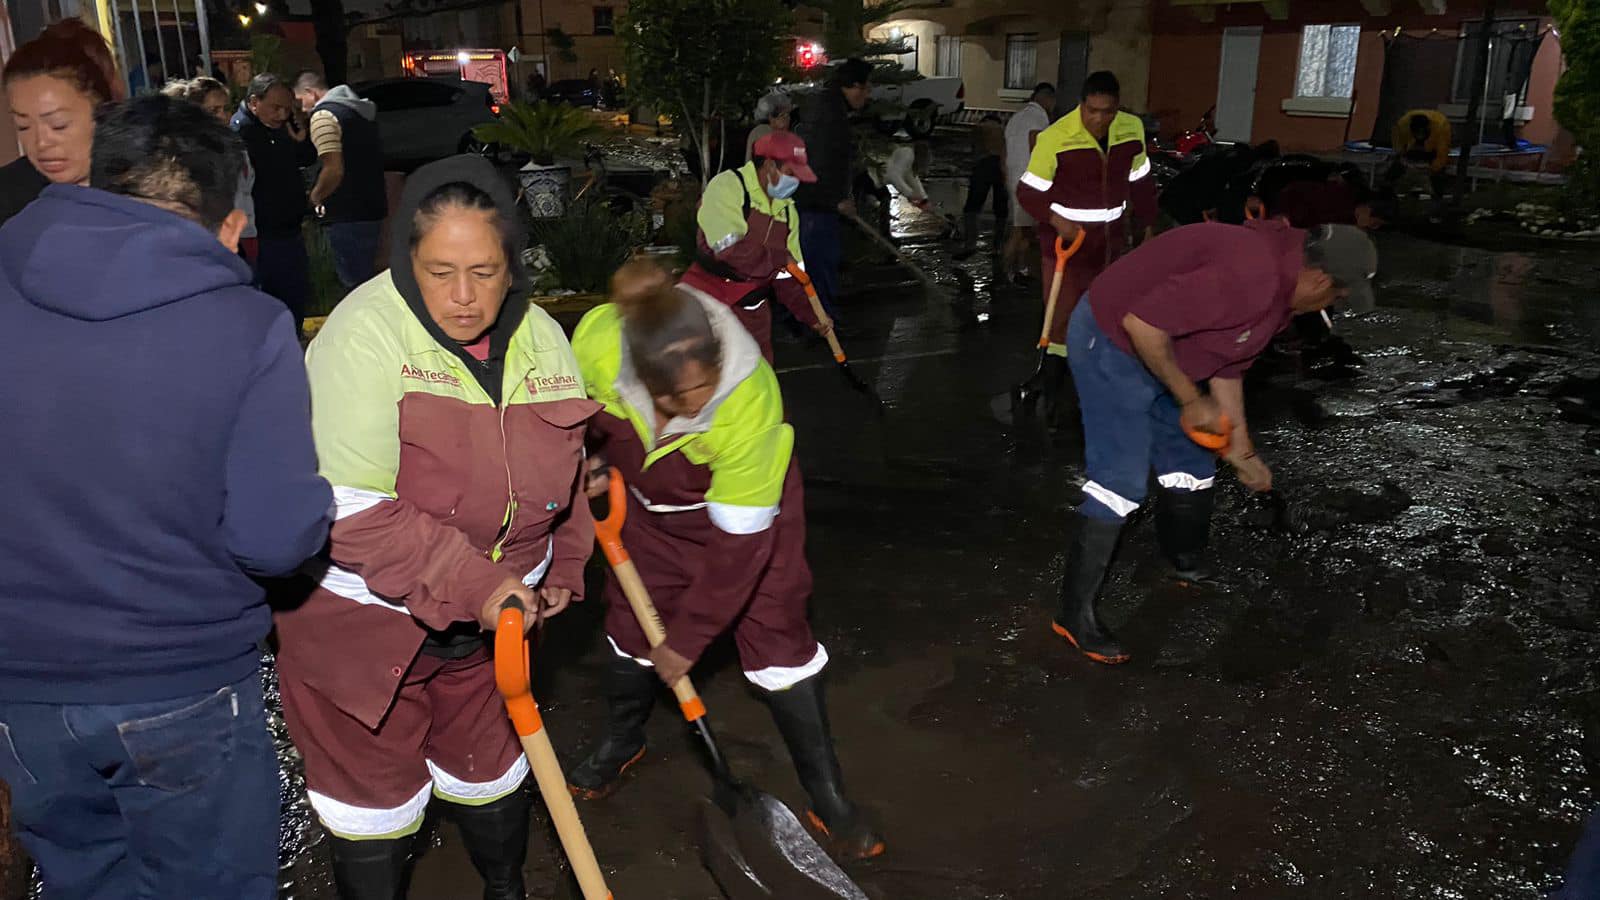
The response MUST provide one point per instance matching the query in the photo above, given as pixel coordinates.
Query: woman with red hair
(53, 84)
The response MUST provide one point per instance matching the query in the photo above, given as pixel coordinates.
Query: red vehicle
(484, 66)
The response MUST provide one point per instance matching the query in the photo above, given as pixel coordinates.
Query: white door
(1236, 83)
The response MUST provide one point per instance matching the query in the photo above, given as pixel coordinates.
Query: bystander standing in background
(1022, 132)
(349, 196)
(986, 177)
(278, 148)
(830, 148)
(53, 84)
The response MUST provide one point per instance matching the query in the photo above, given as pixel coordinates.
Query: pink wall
(1185, 53)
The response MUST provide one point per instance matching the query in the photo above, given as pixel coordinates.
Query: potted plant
(547, 132)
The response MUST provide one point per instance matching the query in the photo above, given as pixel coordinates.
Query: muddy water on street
(1400, 704)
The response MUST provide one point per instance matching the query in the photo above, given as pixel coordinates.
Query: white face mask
(785, 188)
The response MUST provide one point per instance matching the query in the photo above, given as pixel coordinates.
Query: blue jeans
(819, 242)
(355, 251)
(1130, 424)
(174, 798)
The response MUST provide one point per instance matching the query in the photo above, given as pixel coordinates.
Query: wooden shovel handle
(1063, 253)
(608, 532)
(800, 275)
(511, 677)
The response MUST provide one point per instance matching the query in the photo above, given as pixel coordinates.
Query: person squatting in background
(694, 422)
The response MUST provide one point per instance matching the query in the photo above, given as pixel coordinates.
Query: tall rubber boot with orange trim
(1080, 591)
(630, 694)
(802, 718)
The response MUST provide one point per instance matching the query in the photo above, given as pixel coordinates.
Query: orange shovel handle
(511, 677)
(608, 532)
(511, 671)
(800, 275)
(1063, 253)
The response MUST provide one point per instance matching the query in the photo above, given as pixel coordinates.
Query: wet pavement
(1401, 703)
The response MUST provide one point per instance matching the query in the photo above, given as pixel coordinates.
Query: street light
(261, 9)
(244, 20)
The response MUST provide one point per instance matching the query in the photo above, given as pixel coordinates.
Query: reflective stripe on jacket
(717, 478)
(1069, 175)
(441, 496)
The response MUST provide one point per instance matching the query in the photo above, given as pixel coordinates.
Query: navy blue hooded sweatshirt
(155, 454)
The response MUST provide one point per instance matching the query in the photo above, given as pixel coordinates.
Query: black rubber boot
(1183, 528)
(496, 838)
(373, 869)
(969, 236)
(630, 694)
(1080, 590)
(802, 718)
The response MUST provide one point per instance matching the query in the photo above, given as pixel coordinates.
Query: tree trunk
(15, 867)
(328, 20)
(705, 137)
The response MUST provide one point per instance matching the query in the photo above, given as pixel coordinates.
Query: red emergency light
(808, 54)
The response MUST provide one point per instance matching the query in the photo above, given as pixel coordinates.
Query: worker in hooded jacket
(694, 423)
(449, 418)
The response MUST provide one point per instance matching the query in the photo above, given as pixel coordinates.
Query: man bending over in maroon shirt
(1160, 343)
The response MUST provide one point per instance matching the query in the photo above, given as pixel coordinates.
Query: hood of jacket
(740, 358)
(478, 172)
(346, 97)
(95, 256)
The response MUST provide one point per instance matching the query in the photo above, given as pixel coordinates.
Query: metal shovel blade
(762, 851)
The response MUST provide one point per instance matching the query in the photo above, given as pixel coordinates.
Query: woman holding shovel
(449, 419)
(693, 421)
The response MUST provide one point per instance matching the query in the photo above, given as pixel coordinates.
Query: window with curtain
(1022, 61)
(1327, 61)
(949, 62)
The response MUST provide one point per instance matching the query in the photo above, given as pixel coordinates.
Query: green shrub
(589, 243)
(326, 289)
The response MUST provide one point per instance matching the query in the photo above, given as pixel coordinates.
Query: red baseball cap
(786, 147)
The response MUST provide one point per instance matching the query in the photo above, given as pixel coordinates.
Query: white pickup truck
(919, 105)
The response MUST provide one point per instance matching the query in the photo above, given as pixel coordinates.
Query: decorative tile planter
(544, 189)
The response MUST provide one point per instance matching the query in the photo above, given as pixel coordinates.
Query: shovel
(1020, 394)
(849, 374)
(511, 677)
(766, 853)
(916, 271)
(1285, 518)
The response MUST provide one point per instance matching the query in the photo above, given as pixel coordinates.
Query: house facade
(1002, 48)
(1316, 74)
